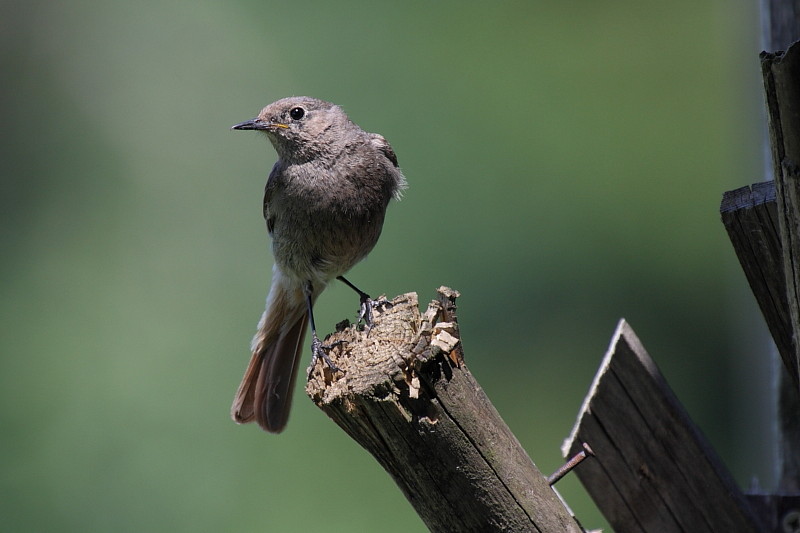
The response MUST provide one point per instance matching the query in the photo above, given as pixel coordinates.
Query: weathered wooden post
(653, 471)
(406, 396)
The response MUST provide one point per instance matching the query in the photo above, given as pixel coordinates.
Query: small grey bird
(324, 204)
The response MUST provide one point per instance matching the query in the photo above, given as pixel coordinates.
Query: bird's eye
(297, 113)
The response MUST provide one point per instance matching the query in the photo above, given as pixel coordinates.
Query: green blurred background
(566, 161)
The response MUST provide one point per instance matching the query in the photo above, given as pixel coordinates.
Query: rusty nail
(569, 465)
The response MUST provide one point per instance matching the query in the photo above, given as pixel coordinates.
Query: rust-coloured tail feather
(273, 395)
(265, 394)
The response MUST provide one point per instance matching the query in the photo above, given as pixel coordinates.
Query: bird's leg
(367, 304)
(317, 348)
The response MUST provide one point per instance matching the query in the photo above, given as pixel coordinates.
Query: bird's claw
(367, 306)
(320, 350)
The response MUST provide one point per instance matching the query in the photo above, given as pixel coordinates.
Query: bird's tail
(265, 394)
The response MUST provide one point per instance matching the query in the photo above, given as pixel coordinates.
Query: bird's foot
(320, 350)
(365, 312)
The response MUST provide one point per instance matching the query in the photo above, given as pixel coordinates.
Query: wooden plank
(750, 216)
(653, 470)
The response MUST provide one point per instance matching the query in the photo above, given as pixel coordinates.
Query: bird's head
(300, 127)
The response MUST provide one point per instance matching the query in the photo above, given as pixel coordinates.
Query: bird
(324, 204)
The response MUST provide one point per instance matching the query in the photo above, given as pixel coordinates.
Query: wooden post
(407, 397)
(653, 470)
(782, 87)
(780, 28)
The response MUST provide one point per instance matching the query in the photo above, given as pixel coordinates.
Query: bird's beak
(257, 124)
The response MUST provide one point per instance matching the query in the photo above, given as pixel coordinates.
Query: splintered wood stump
(406, 395)
(653, 470)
